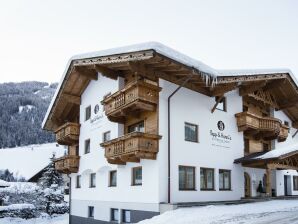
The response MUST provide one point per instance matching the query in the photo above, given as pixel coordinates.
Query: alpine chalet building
(148, 129)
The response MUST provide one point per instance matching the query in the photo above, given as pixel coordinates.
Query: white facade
(209, 152)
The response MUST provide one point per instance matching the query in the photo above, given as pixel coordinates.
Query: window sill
(112, 186)
(136, 185)
(225, 190)
(208, 190)
(187, 189)
(191, 141)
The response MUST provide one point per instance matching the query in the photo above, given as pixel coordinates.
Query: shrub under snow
(24, 211)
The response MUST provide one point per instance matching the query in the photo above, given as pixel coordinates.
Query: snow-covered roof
(204, 69)
(4, 183)
(278, 152)
(26, 161)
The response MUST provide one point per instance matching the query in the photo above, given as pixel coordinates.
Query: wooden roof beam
(288, 104)
(246, 89)
(88, 73)
(71, 98)
(110, 73)
(221, 90)
(274, 84)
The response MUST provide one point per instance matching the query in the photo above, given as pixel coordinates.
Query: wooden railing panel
(68, 133)
(67, 164)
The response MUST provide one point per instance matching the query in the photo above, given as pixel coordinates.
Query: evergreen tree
(50, 177)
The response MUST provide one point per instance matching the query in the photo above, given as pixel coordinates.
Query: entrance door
(247, 191)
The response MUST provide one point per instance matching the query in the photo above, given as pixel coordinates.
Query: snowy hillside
(22, 108)
(28, 160)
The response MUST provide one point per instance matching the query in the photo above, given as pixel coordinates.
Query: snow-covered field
(26, 161)
(61, 219)
(273, 212)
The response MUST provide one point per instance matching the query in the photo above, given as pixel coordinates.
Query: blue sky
(38, 37)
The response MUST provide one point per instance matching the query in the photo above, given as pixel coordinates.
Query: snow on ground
(61, 219)
(276, 211)
(4, 183)
(26, 161)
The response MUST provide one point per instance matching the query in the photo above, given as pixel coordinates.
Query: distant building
(148, 128)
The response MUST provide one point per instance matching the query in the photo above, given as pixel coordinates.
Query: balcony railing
(267, 128)
(131, 148)
(68, 133)
(67, 164)
(137, 96)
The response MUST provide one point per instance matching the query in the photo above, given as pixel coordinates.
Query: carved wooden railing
(138, 95)
(68, 133)
(131, 148)
(67, 164)
(268, 128)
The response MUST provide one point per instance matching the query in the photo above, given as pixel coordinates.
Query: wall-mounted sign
(219, 138)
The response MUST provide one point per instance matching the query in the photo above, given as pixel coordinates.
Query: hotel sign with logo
(219, 137)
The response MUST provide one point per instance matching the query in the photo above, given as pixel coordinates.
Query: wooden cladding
(67, 164)
(138, 96)
(267, 128)
(131, 148)
(68, 134)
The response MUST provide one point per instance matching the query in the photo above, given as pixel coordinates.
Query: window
(186, 178)
(246, 145)
(90, 211)
(87, 113)
(78, 181)
(138, 127)
(191, 132)
(113, 178)
(87, 146)
(92, 180)
(106, 136)
(222, 105)
(137, 176)
(224, 180)
(126, 216)
(295, 181)
(207, 179)
(114, 215)
(266, 146)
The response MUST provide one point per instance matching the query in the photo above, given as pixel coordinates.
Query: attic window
(87, 113)
(222, 103)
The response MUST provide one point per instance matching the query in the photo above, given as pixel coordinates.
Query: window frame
(91, 208)
(92, 183)
(230, 180)
(110, 178)
(295, 184)
(78, 181)
(136, 124)
(124, 216)
(85, 146)
(193, 179)
(224, 102)
(133, 181)
(104, 136)
(113, 216)
(206, 181)
(197, 132)
(89, 115)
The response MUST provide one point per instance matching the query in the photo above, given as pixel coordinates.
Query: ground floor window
(224, 180)
(186, 178)
(207, 179)
(90, 211)
(126, 216)
(295, 181)
(114, 214)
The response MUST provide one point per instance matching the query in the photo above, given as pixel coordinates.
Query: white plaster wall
(192, 107)
(96, 162)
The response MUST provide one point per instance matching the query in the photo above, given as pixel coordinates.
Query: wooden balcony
(135, 97)
(68, 134)
(131, 148)
(267, 128)
(67, 164)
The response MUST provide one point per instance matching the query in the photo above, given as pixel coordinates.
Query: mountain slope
(22, 108)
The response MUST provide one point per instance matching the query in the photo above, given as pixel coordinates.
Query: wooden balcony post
(268, 182)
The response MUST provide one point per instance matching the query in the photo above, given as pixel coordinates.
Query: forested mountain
(22, 108)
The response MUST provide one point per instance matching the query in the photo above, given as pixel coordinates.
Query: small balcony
(267, 128)
(131, 148)
(68, 134)
(67, 164)
(134, 98)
